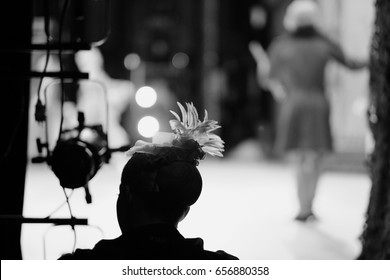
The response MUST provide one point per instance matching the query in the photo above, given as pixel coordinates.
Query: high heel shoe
(305, 217)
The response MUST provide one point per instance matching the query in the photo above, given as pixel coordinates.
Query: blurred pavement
(246, 208)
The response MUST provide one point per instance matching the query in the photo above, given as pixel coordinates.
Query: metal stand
(56, 221)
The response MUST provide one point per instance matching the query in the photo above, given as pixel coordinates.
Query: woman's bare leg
(307, 178)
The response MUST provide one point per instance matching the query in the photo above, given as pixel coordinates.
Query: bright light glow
(146, 97)
(148, 126)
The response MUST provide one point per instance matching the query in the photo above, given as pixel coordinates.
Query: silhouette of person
(158, 185)
(294, 70)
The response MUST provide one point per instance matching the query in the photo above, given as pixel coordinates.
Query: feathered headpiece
(190, 134)
(167, 166)
(190, 127)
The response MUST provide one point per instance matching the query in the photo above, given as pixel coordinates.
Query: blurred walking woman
(294, 70)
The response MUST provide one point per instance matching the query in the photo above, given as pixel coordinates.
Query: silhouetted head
(161, 180)
(301, 14)
(158, 188)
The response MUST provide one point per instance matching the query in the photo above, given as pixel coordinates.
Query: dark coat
(152, 242)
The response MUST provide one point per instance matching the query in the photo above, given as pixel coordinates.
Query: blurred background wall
(197, 51)
(351, 24)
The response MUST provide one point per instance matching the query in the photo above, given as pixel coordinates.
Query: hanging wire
(99, 230)
(48, 40)
(13, 134)
(72, 225)
(59, 207)
(39, 107)
(44, 243)
(72, 217)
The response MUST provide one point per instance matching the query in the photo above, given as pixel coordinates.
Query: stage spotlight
(148, 126)
(79, 154)
(146, 97)
(82, 146)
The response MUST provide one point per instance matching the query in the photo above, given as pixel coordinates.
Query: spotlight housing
(78, 155)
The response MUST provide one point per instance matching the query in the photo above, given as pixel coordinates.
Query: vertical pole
(376, 233)
(16, 25)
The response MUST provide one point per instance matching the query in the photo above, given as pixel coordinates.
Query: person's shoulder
(194, 248)
(222, 255)
(104, 249)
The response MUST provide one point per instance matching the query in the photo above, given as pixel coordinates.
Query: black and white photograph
(245, 130)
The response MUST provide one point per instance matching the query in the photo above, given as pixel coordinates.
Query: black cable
(72, 225)
(68, 203)
(75, 239)
(60, 206)
(48, 40)
(46, 17)
(39, 107)
(72, 217)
